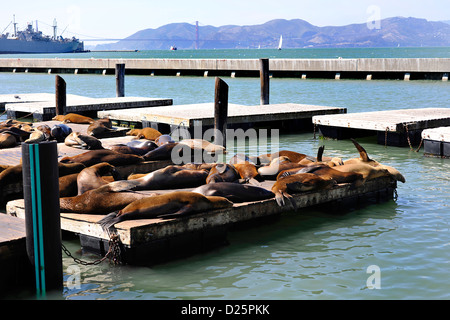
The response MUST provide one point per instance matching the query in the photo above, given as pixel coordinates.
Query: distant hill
(297, 33)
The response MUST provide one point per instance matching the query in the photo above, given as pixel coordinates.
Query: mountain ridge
(297, 33)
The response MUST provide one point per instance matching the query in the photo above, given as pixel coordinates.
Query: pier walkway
(363, 68)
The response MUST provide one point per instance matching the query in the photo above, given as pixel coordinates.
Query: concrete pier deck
(393, 127)
(43, 105)
(437, 142)
(363, 68)
(188, 116)
(152, 240)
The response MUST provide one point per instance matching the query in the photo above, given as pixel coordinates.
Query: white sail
(280, 43)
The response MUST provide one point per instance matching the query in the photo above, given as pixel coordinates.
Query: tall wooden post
(120, 80)
(42, 214)
(60, 95)
(264, 77)
(220, 111)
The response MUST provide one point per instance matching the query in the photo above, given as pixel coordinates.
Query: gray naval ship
(33, 41)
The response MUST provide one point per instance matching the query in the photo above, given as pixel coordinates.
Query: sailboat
(280, 43)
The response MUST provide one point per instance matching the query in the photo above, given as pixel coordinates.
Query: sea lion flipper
(320, 153)
(362, 152)
(109, 220)
(182, 211)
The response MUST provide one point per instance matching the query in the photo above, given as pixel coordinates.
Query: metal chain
(114, 249)
(385, 136)
(409, 141)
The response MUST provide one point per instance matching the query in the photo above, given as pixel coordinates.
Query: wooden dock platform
(149, 241)
(43, 105)
(436, 142)
(289, 116)
(15, 268)
(392, 127)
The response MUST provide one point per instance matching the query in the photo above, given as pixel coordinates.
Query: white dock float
(150, 240)
(238, 115)
(437, 142)
(43, 106)
(392, 127)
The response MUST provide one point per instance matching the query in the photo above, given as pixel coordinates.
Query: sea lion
(169, 205)
(276, 166)
(242, 158)
(235, 192)
(68, 185)
(300, 182)
(364, 158)
(60, 131)
(170, 177)
(73, 118)
(222, 172)
(291, 155)
(147, 133)
(82, 141)
(203, 145)
(248, 173)
(102, 200)
(7, 140)
(35, 137)
(367, 171)
(92, 157)
(137, 147)
(163, 139)
(92, 177)
(99, 128)
(19, 134)
(171, 151)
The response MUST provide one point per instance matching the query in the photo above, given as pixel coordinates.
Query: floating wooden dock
(149, 241)
(437, 142)
(392, 127)
(15, 268)
(290, 116)
(42, 106)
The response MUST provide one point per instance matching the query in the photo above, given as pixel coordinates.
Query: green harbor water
(309, 254)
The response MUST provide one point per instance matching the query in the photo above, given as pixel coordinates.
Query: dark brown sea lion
(364, 158)
(169, 205)
(222, 172)
(178, 153)
(300, 182)
(68, 185)
(98, 128)
(73, 118)
(92, 157)
(235, 192)
(102, 200)
(7, 140)
(146, 133)
(82, 141)
(138, 147)
(60, 131)
(92, 177)
(170, 177)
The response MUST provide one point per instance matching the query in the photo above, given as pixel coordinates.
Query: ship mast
(54, 29)
(15, 25)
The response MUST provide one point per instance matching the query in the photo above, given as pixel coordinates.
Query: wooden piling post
(42, 214)
(120, 79)
(60, 95)
(264, 77)
(220, 111)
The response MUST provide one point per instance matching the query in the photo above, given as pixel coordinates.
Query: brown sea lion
(170, 177)
(203, 145)
(235, 192)
(367, 171)
(138, 147)
(146, 133)
(7, 140)
(248, 173)
(92, 177)
(92, 157)
(99, 128)
(68, 185)
(222, 172)
(291, 155)
(300, 182)
(82, 141)
(169, 205)
(73, 118)
(35, 137)
(102, 200)
(364, 158)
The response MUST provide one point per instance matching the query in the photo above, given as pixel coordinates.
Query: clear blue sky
(119, 19)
